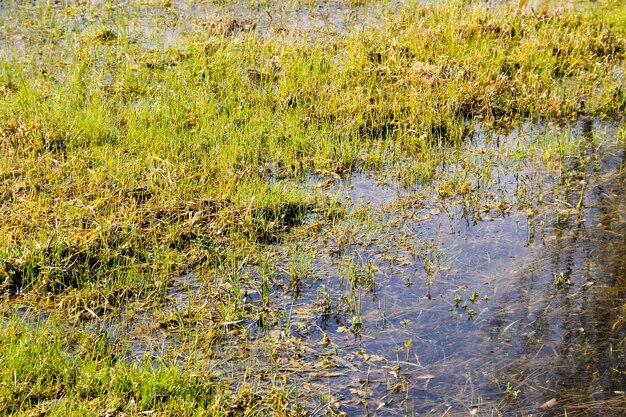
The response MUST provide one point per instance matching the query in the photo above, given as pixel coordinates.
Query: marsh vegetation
(312, 208)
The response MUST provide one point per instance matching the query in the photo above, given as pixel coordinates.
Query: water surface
(424, 304)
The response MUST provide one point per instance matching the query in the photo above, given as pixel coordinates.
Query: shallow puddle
(168, 24)
(171, 24)
(509, 300)
(503, 295)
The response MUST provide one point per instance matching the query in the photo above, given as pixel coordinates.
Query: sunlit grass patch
(112, 131)
(55, 372)
(140, 145)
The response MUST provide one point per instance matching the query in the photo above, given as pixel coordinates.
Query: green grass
(55, 372)
(123, 164)
(121, 159)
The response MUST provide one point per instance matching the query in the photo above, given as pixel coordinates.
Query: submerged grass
(125, 163)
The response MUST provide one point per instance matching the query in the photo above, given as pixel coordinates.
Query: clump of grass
(48, 370)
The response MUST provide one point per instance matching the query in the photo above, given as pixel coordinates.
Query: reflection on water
(516, 307)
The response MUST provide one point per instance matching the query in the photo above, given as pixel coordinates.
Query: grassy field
(126, 161)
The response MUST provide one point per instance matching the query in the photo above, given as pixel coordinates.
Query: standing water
(495, 285)
(502, 293)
